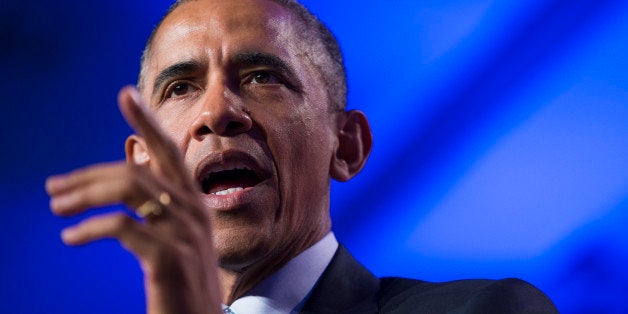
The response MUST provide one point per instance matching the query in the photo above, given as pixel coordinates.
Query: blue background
(501, 141)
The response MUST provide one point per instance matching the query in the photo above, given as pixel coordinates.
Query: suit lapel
(345, 286)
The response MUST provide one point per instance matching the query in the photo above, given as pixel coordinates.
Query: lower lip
(232, 201)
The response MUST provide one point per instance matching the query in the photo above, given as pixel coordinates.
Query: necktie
(227, 310)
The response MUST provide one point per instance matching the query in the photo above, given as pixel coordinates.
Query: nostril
(221, 122)
(234, 125)
(203, 130)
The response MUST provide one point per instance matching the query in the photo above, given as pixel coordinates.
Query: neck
(228, 279)
(235, 283)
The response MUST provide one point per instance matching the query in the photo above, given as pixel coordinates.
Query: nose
(220, 115)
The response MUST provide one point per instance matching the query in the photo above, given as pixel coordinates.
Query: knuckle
(119, 221)
(131, 184)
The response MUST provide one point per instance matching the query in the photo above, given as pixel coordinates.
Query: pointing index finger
(164, 152)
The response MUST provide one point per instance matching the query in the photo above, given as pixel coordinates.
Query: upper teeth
(220, 168)
(228, 191)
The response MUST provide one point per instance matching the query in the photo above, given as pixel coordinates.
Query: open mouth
(225, 182)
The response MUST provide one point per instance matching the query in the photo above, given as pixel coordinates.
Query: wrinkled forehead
(197, 27)
(228, 15)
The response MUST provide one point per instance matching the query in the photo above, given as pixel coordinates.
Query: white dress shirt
(286, 290)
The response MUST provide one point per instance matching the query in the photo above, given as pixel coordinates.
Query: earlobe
(136, 150)
(354, 145)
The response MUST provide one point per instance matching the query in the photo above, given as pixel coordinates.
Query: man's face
(231, 84)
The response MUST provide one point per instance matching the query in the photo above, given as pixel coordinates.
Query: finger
(132, 235)
(169, 265)
(61, 183)
(109, 184)
(95, 186)
(166, 154)
(98, 227)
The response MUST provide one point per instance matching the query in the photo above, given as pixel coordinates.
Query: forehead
(228, 15)
(205, 28)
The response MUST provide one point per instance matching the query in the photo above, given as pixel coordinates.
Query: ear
(353, 147)
(136, 150)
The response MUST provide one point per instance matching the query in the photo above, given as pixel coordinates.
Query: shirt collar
(286, 290)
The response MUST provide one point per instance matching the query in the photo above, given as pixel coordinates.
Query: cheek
(175, 124)
(300, 144)
(297, 130)
(302, 157)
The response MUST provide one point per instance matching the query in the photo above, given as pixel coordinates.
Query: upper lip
(228, 160)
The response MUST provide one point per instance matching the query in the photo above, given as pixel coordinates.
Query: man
(241, 124)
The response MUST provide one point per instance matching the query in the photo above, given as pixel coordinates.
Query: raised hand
(172, 241)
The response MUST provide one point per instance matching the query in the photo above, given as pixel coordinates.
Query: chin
(239, 251)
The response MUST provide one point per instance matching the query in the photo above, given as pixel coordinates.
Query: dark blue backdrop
(501, 140)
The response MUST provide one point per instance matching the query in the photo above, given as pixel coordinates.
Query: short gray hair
(321, 49)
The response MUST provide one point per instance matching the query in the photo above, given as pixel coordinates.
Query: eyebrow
(176, 70)
(260, 58)
(250, 59)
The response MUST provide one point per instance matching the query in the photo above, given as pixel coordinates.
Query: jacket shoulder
(401, 295)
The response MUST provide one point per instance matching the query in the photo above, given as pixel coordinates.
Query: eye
(263, 77)
(179, 89)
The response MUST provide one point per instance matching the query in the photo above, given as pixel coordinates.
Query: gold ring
(153, 207)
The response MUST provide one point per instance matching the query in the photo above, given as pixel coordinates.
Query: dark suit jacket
(347, 287)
